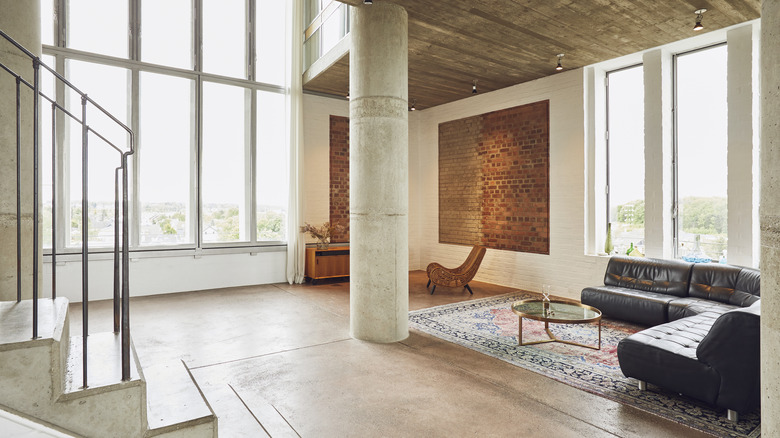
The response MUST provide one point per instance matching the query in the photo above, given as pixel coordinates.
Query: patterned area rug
(489, 326)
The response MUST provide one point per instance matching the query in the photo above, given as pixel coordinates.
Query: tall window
(701, 150)
(626, 158)
(211, 160)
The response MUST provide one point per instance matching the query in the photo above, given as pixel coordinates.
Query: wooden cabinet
(327, 263)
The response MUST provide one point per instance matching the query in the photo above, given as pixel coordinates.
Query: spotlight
(474, 87)
(368, 2)
(699, 13)
(559, 67)
(347, 96)
(412, 108)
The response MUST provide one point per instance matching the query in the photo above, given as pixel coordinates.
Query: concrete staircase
(41, 379)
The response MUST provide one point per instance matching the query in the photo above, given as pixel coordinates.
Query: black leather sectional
(704, 336)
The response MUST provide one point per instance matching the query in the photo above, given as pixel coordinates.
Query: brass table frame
(552, 319)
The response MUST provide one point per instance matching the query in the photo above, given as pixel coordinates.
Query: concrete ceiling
(501, 43)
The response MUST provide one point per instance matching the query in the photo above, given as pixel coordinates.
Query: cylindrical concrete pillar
(379, 174)
(770, 218)
(21, 20)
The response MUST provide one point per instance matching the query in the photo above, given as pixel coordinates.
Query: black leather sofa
(705, 335)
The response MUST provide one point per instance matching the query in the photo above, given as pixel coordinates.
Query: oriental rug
(489, 326)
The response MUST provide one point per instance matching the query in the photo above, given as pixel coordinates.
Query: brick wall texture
(339, 176)
(494, 186)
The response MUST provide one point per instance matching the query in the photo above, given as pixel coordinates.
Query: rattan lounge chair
(460, 276)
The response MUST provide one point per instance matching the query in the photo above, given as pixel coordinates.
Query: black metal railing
(121, 260)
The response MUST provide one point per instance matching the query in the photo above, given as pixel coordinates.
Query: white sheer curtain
(296, 245)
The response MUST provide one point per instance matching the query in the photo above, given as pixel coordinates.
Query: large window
(626, 158)
(701, 149)
(165, 149)
(210, 120)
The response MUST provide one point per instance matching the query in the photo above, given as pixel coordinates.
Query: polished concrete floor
(277, 360)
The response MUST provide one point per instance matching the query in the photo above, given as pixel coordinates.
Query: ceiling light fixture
(347, 96)
(474, 87)
(368, 2)
(412, 108)
(699, 13)
(559, 67)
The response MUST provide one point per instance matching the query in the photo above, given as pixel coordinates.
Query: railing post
(36, 196)
(125, 269)
(18, 190)
(53, 201)
(84, 235)
(116, 249)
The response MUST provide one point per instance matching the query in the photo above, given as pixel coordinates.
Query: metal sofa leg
(469, 288)
(429, 283)
(433, 290)
(732, 415)
(642, 386)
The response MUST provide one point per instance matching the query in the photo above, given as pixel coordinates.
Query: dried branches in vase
(322, 233)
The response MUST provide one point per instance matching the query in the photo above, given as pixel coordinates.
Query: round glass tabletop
(558, 311)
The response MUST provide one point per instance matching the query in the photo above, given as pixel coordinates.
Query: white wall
(151, 275)
(316, 154)
(566, 267)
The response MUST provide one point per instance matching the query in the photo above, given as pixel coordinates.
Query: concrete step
(176, 406)
(16, 322)
(104, 364)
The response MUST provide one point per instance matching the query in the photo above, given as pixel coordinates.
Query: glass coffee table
(558, 312)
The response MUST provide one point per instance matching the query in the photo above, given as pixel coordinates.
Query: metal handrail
(122, 171)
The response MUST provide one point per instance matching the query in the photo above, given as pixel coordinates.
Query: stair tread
(104, 363)
(16, 321)
(173, 398)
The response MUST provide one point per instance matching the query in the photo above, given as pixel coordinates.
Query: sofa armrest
(732, 348)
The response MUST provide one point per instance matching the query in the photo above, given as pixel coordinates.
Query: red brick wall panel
(339, 176)
(494, 170)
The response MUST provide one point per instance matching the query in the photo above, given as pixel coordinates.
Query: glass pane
(166, 132)
(271, 41)
(224, 37)
(108, 86)
(334, 28)
(272, 167)
(98, 26)
(625, 119)
(702, 117)
(45, 138)
(166, 32)
(223, 182)
(47, 22)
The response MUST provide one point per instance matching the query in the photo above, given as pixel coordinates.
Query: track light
(559, 67)
(474, 87)
(412, 108)
(699, 13)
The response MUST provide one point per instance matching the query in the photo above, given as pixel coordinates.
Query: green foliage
(704, 215)
(632, 213)
(270, 225)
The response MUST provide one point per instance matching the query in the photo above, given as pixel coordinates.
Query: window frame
(676, 220)
(135, 66)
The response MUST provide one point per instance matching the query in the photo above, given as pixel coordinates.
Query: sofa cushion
(685, 307)
(652, 275)
(732, 347)
(648, 308)
(725, 284)
(748, 289)
(665, 355)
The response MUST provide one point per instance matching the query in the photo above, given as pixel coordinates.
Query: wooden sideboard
(327, 263)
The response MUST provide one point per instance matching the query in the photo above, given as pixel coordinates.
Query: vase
(323, 244)
(608, 247)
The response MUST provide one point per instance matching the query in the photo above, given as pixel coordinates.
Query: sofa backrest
(652, 275)
(725, 283)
